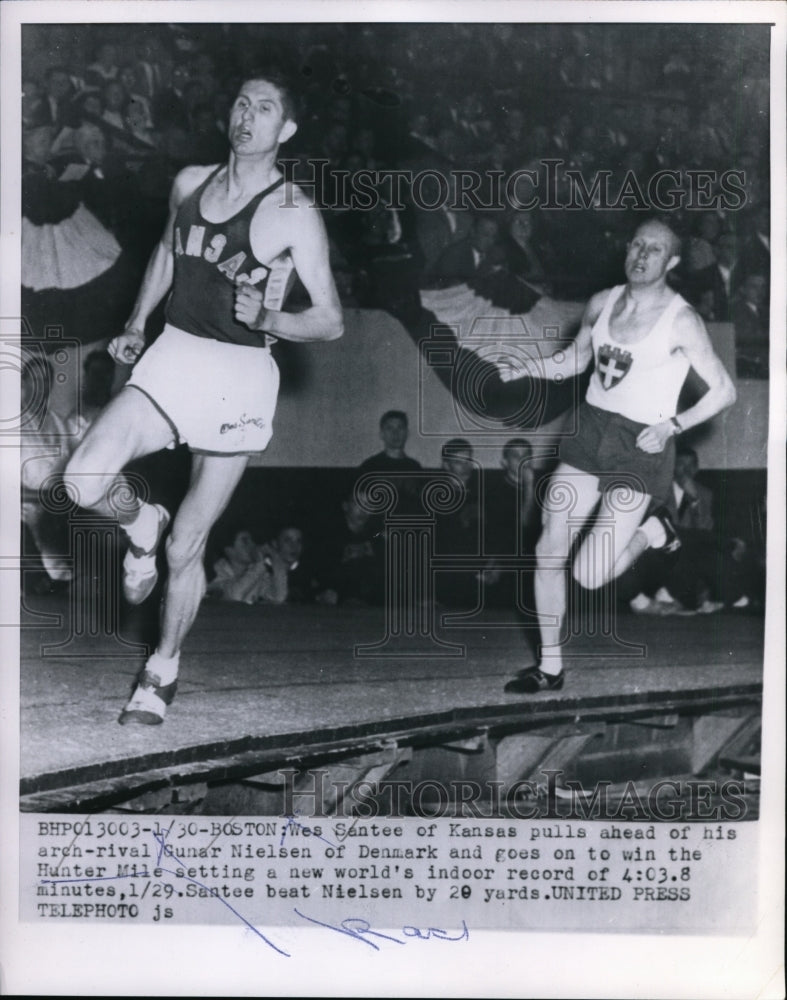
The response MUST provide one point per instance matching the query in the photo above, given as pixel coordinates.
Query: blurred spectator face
(686, 467)
(58, 84)
(754, 289)
(114, 96)
(355, 517)
(135, 117)
(521, 228)
(289, 543)
(180, 76)
(31, 97)
(394, 433)
(726, 249)
(245, 545)
(515, 460)
(37, 144)
(91, 144)
(459, 464)
(485, 234)
(93, 105)
(128, 78)
(709, 227)
(107, 55)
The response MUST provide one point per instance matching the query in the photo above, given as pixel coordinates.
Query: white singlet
(641, 381)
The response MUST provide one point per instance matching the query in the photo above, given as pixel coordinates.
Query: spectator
(48, 440)
(128, 77)
(392, 461)
(350, 562)
(115, 97)
(471, 257)
(105, 68)
(458, 533)
(270, 573)
(512, 524)
(60, 92)
(706, 573)
(750, 318)
(169, 105)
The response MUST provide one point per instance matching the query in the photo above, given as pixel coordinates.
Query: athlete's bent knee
(586, 575)
(83, 483)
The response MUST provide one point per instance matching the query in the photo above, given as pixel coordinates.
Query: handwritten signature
(357, 928)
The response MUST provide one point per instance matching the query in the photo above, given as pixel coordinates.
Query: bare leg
(571, 497)
(213, 481)
(614, 542)
(128, 428)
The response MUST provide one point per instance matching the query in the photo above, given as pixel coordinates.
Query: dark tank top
(210, 259)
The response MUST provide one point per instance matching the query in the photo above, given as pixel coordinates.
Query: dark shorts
(605, 446)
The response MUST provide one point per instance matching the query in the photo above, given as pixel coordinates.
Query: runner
(643, 338)
(234, 235)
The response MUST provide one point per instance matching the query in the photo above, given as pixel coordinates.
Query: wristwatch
(676, 425)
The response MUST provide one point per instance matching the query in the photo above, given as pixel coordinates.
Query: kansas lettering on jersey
(210, 260)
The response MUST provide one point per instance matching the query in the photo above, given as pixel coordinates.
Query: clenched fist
(652, 439)
(249, 309)
(126, 347)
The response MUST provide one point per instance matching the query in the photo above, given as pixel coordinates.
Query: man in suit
(684, 577)
(471, 257)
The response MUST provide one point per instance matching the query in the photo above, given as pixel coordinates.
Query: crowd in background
(111, 113)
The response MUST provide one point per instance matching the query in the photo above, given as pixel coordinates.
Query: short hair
(456, 448)
(671, 225)
(393, 415)
(509, 446)
(284, 82)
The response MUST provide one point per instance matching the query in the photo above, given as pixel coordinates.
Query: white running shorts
(218, 398)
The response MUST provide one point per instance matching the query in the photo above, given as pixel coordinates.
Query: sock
(142, 530)
(639, 603)
(164, 668)
(654, 532)
(551, 665)
(663, 596)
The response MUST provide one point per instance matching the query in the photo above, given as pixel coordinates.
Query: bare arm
(323, 319)
(691, 337)
(562, 363)
(158, 273)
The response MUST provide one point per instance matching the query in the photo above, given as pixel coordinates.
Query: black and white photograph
(393, 440)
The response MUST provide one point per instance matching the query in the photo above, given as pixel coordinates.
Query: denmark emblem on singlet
(613, 364)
